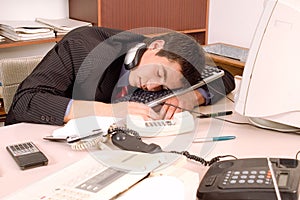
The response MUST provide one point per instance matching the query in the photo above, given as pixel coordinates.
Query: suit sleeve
(219, 88)
(44, 95)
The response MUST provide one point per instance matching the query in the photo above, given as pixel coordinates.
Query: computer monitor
(269, 93)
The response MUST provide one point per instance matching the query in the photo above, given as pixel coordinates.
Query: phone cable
(87, 143)
(115, 129)
(200, 159)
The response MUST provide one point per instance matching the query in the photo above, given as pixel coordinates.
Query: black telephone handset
(250, 178)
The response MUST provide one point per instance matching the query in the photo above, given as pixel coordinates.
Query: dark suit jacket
(84, 65)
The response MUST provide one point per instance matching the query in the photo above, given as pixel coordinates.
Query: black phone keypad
(246, 178)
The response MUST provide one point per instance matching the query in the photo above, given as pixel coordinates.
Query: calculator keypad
(23, 148)
(246, 178)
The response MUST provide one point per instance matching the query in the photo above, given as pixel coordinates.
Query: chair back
(12, 72)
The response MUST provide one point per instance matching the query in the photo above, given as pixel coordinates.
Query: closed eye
(162, 73)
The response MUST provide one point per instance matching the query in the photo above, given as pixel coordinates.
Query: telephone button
(250, 181)
(210, 180)
(242, 181)
(252, 176)
(236, 172)
(261, 176)
(225, 165)
(262, 172)
(120, 137)
(259, 181)
(244, 176)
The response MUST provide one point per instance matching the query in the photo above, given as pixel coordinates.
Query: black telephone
(250, 178)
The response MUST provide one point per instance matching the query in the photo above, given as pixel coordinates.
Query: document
(25, 30)
(63, 25)
(25, 27)
(20, 36)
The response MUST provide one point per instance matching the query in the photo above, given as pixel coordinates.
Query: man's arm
(44, 95)
(206, 95)
(219, 88)
(79, 108)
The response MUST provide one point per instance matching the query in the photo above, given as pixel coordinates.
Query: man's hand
(124, 108)
(186, 101)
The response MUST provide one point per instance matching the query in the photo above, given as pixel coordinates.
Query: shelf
(9, 43)
(187, 16)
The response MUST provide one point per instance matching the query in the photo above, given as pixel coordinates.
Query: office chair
(12, 72)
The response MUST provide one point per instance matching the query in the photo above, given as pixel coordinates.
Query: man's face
(155, 73)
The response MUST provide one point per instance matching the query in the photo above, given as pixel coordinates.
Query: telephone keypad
(246, 178)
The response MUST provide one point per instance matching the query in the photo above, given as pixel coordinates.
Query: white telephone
(91, 131)
(83, 133)
(183, 122)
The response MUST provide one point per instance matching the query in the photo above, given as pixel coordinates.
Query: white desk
(250, 142)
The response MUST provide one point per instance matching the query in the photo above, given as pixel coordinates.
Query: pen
(76, 138)
(215, 114)
(212, 139)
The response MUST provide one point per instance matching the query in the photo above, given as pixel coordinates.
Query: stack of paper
(2, 38)
(64, 25)
(25, 30)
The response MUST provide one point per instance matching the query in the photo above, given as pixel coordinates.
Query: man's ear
(157, 44)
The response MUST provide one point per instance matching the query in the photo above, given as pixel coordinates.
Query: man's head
(171, 61)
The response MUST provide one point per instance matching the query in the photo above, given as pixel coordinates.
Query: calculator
(27, 155)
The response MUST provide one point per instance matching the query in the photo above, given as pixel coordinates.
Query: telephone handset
(181, 123)
(93, 135)
(250, 178)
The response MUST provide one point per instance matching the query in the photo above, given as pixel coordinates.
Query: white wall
(233, 21)
(29, 10)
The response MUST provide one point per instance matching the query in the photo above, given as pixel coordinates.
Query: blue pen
(212, 139)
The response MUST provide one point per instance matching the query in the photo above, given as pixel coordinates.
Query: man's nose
(153, 86)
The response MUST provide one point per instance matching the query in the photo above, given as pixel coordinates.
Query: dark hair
(186, 51)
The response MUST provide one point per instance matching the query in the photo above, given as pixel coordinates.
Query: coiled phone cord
(201, 160)
(87, 144)
(114, 129)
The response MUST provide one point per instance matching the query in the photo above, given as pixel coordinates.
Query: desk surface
(250, 142)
